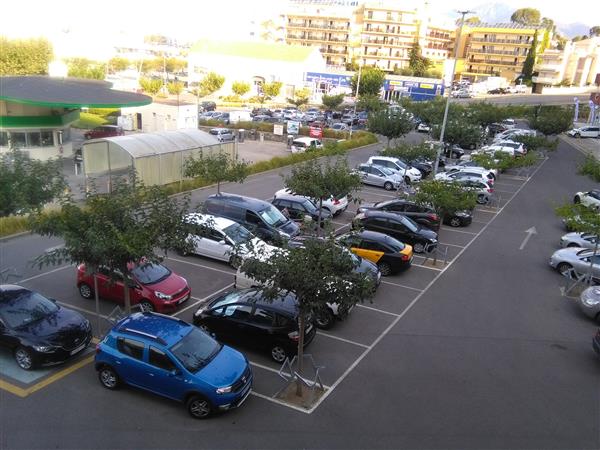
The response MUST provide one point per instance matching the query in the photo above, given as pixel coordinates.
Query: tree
(216, 168)
(118, 64)
(151, 86)
(301, 97)
(530, 59)
(26, 185)
(86, 68)
(417, 62)
(526, 16)
(240, 88)
(315, 274)
(371, 81)
(321, 182)
(595, 31)
(370, 103)
(484, 113)
(545, 43)
(410, 153)
(211, 83)
(332, 101)
(131, 225)
(24, 56)
(445, 198)
(590, 168)
(271, 90)
(460, 132)
(551, 120)
(175, 87)
(548, 24)
(174, 65)
(392, 126)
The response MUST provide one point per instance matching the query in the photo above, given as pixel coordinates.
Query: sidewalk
(587, 146)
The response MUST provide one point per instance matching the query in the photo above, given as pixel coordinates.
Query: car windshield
(385, 170)
(394, 244)
(412, 226)
(227, 299)
(310, 207)
(25, 307)
(214, 132)
(196, 350)
(150, 273)
(272, 216)
(237, 233)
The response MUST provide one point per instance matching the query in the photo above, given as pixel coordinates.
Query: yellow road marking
(24, 392)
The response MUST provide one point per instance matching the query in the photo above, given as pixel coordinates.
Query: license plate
(78, 349)
(183, 299)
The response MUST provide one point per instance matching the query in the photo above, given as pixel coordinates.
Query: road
(484, 353)
(530, 99)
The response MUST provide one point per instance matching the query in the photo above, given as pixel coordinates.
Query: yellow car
(390, 255)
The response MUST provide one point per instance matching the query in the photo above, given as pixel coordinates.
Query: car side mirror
(175, 372)
(222, 242)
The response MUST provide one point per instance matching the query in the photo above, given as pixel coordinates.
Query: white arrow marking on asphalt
(529, 232)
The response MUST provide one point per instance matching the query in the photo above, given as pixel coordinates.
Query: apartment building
(495, 50)
(552, 65)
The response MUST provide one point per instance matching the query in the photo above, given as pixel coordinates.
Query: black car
(208, 106)
(297, 208)
(246, 317)
(424, 167)
(423, 215)
(398, 226)
(454, 151)
(38, 331)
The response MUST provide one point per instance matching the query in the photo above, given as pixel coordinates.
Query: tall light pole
(442, 131)
(356, 97)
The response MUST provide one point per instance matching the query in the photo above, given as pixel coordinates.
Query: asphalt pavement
(483, 352)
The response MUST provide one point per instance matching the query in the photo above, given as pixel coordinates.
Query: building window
(33, 139)
(3, 139)
(18, 140)
(48, 138)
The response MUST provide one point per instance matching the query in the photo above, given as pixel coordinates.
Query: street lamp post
(356, 98)
(442, 131)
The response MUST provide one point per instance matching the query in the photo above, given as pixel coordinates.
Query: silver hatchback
(576, 259)
(583, 240)
(589, 302)
(379, 176)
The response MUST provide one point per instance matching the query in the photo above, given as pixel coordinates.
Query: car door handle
(150, 374)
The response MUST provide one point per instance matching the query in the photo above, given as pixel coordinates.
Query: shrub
(13, 224)
(591, 168)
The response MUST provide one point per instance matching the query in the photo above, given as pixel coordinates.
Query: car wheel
(384, 268)
(418, 247)
(108, 377)
(388, 186)
(324, 319)
(563, 268)
(482, 199)
(455, 222)
(146, 306)
(86, 291)
(577, 199)
(199, 407)
(182, 252)
(578, 135)
(407, 180)
(24, 358)
(278, 353)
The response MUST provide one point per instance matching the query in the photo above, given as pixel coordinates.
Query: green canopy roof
(67, 93)
(254, 50)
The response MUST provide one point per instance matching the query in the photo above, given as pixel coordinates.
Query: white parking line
(452, 245)
(202, 265)
(377, 310)
(46, 273)
(280, 403)
(261, 366)
(515, 177)
(337, 338)
(485, 210)
(342, 227)
(421, 266)
(401, 285)
(338, 223)
(202, 300)
(457, 231)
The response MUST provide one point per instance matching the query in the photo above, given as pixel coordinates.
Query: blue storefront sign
(416, 90)
(333, 79)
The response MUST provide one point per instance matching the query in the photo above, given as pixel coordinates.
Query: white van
(592, 131)
(303, 144)
(239, 116)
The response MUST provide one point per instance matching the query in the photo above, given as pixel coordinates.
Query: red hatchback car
(154, 287)
(104, 131)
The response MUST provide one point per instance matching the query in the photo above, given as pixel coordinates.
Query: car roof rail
(175, 319)
(144, 334)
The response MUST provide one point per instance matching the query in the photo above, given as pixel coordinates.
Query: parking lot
(339, 349)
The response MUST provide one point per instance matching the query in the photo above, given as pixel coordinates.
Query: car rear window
(394, 244)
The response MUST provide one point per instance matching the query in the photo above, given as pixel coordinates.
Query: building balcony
(328, 51)
(496, 52)
(546, 80)
(501, 41)
(314, 38)
(316, 26)
(491, 62)
(444, 37)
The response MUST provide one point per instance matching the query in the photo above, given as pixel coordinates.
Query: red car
(104, 131)
(155, 287)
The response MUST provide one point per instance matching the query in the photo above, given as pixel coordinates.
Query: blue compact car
(172, 358)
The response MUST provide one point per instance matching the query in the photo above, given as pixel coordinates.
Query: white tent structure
(158, 158)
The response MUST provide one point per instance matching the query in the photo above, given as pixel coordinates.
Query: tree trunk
(301, 326)
(97, 301)
(218, 187)
(319, 221)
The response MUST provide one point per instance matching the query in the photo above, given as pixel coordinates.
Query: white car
(583, 240)
(591, 199)
(518, 147)
(592, 131)
(410, 174)
(492, 149)
(334, 205)
(223, 239)
(512, 133)
(471, 165)
(423, 128)
(467, 172)
(339, 126)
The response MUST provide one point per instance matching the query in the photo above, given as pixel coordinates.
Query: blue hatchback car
(172, 358)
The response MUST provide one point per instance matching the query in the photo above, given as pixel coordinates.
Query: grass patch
(590, 168)
(13, 225)
(88, 120)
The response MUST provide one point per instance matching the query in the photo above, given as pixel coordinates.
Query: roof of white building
(254, 50)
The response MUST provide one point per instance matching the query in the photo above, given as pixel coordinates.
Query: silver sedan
(589, 302)
(583, 240)
(578, 260)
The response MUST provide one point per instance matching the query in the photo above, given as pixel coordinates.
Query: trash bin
(261, 136)
(241, 135)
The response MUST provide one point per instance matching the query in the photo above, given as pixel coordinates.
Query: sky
(91, 24)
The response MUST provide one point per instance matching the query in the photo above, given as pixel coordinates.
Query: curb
(577, 146)
(14, 236)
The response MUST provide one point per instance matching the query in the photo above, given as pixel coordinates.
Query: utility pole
(356, 97)
(442, 131)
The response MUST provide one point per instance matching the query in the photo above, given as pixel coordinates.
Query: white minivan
(592, 131)
(304, 144)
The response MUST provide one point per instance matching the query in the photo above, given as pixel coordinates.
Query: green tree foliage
(370, 103)
(175, 87)
(410, 153)
(465, 134)
(150, 65)
(371, 81)
(470, 20)
(545, 43)
(590, 168)
(133, 223)
(322, 181)
(417, 62)
(24, 56)
(315, 273)
(530, 59)
(271, 90)
(216, 168)
(151, 86)
(535, 143)
(595, 31)
(86, 68)
(26, 185)
(392, 126)
(174, 65)
(526, 16)
(332, 102)
(240, 88)
(548, 24)
(551, 120)
(211, 83)
(484, 113)
(352, 66)
(118, 64)
(301, 97)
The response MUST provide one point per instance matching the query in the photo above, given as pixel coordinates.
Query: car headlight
(224, 390)
(284, 234)
(44, 348)
(590, 301)
(163, 296)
